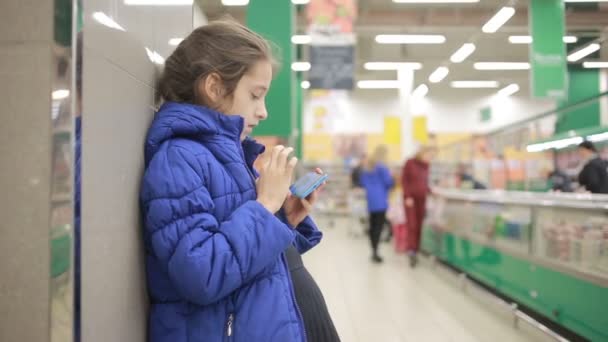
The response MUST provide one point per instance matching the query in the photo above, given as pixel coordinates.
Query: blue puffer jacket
(215, 263)
(377, 183)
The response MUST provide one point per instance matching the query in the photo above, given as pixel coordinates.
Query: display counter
(546, 251)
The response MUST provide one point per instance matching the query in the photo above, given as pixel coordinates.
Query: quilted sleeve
(307, 233)
(205, 260)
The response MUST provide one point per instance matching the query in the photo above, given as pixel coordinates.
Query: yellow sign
(419, 129)
(392, 130)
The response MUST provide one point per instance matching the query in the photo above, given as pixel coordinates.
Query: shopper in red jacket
(415, 182)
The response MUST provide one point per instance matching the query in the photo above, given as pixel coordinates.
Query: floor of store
(393, 303)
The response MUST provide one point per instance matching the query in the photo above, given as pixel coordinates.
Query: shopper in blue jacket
(377, 180)
(215, 230)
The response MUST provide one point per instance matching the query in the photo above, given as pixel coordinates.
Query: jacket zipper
(229, 329)
(293, 299)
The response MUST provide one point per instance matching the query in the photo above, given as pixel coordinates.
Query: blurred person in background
(594, 175)
(560, 181)
(415, 182)
(355, 175)
(467, 180)
(377, 181)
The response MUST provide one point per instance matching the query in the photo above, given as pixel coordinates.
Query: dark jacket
(215, 256)
(415, 178)
(594, 176)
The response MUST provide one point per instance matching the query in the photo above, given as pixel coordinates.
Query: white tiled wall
(118, 100)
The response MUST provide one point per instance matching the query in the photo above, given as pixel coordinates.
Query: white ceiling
(460, 23)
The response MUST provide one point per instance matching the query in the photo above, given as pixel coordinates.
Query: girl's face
(249, 98)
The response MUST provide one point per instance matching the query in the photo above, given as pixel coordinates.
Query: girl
(215, 233)
(415, 182)
(377, 181)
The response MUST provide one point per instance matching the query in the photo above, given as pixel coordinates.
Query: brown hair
(224, 47)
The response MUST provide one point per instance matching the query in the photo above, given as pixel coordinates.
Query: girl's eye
(255, 97)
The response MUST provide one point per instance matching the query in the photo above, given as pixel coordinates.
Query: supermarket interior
(465, 145)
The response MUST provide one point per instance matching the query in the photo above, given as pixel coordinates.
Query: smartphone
(307, 184)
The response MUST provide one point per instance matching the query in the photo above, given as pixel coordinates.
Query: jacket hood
(183, 120)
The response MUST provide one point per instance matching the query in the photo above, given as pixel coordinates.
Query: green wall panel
(584, 83)
(276, 23)
(576, 304)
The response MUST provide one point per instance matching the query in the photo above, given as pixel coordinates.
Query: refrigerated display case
(545, 251)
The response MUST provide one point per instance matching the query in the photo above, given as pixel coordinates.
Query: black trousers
(376, 223)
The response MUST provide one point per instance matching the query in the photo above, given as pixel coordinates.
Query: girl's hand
(275, 178)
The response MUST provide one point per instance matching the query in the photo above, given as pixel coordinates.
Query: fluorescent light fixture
(300, 2)
(508, 90)
(60, 94)
(392, 65)
(103, 19)
(175, 41)
(439, 74)
(235, 2)
(595, 65)
(584, 52)
(434, 1)
(410, 39)
(461, 54)
(499, 19)
(301, 39)
(305, 84)
(474, 84)
(155, 57)
(598, 137)
(528, 39)
(159, 2)
(378, 84)
(501, 66)
(555, 144)
(420, 91)
(300, 66)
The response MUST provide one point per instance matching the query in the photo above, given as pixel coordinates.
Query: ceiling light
(305, 84)
(474, 84)
(410, 39)
(175, 41)
(555, 144)
(586, 51)
(300, 66)
(595, 65)
(103, 19)
(439, 74)
(235, 2)
(434, 1)
(420, 91)
(159, 2)
(301, 39)
(60, 94)
(508, 90)
(392, 65)
(528, 39)
(499, 19)
(502, 66)
(598, 137)
(377, 84)
(461, 54)
(300, 2)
